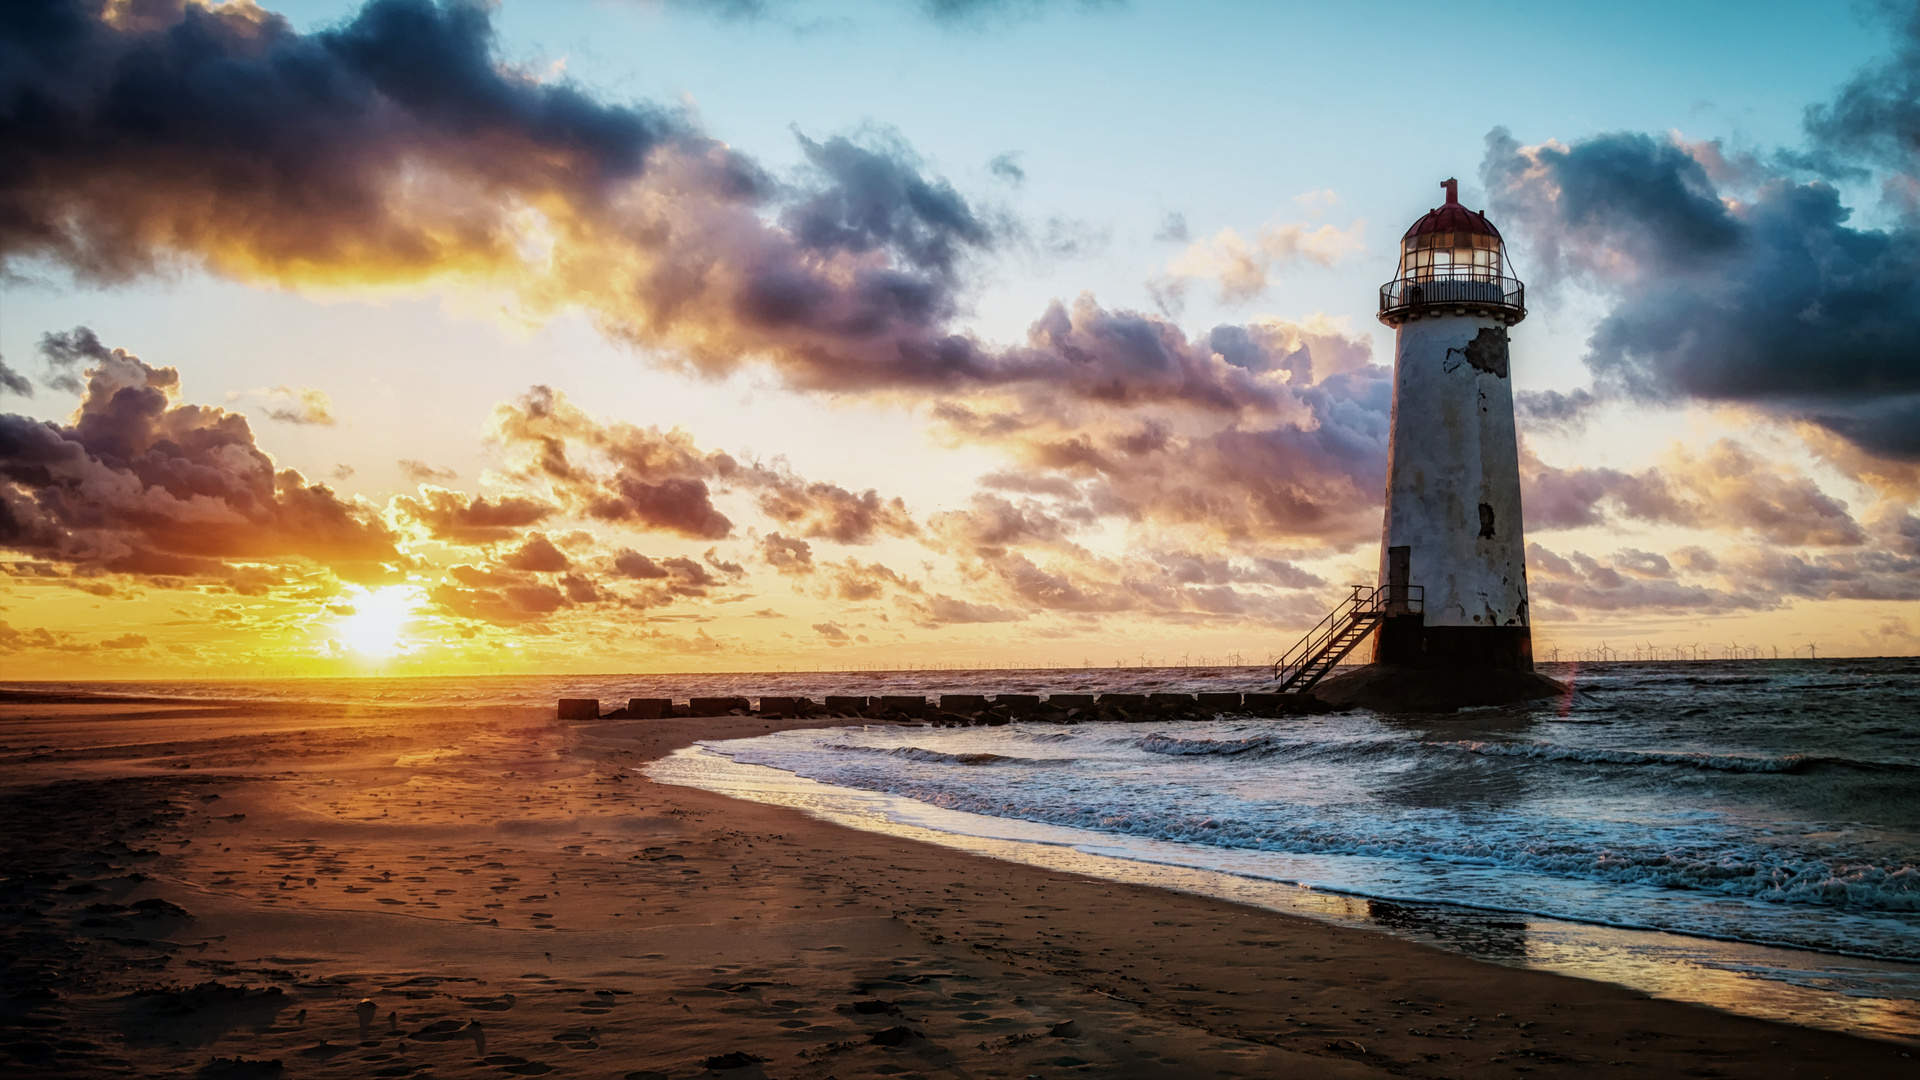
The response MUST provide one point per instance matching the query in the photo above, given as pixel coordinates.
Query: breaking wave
(1670, 798)
(1542, 751)
(938, 757)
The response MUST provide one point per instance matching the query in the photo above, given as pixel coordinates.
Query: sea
(1741, 834)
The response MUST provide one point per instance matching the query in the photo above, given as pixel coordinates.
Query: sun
(379, 618)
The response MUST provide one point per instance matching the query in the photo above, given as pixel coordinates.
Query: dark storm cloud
(1734, 282)
(132, 133)
(399, 147)
(138, 483)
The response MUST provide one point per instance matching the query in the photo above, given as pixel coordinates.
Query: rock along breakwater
(964, 710)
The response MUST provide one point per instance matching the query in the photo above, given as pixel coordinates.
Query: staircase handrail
(1362, 598)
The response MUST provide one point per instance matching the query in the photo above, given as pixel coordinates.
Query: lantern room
(1452, 262)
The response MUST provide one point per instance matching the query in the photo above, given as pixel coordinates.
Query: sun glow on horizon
(379, 620)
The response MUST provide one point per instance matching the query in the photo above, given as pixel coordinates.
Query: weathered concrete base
(1396, 688)
(1406, 641)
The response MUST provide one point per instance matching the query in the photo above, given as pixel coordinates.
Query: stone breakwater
(962, 710)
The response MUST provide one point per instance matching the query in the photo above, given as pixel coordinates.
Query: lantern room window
(1452, 263)
(1451, 256)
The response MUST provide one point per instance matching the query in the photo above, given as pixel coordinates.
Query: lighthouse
(1448, 617)
(1453, 554)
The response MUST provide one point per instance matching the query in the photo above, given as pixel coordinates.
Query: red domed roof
(1453, 217)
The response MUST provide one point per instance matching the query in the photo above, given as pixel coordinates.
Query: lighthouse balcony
(1489, 295)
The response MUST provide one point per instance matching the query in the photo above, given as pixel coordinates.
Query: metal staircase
(1347, 626)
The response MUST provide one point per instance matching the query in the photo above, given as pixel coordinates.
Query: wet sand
(256, 890)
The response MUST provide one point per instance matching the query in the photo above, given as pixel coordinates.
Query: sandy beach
(313, 890)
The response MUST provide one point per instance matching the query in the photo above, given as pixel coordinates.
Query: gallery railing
(1460, 289)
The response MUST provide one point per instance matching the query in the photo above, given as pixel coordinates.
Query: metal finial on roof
(1453, 191)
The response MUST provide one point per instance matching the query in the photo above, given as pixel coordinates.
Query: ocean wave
(1159, 743)
(936, 757)
(1745, 871)
(1543, 751)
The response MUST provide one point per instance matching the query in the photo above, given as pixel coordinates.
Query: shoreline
(242, 867)
(1697, 968)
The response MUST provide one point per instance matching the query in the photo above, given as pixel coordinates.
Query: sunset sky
(615, 335)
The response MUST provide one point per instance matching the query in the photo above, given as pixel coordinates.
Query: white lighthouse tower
(1453, 571)
(1448, 618)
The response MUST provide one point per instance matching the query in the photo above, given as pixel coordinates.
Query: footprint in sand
(518, 1066)
(441, 1031)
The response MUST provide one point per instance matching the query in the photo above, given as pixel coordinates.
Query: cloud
(1023, 559)
(828, 511)
(954, 14)
(139, 483)
(1242, 269)
(536, 554)
(1007, 167)
(1871, 119)
(13, 641)
(834, 633)
(943, 610)
(460, 518)
(1746, 577)
(67, 353)
(1728, 487)
(1563, 587)
(786, 555)
(1546, 410)
(615, 473)
(622, 474)
(12, 382)
(398, 147)
(419, 472)
(304, 406)
(1303, 459)
(222, 134)
(629, 563)
(535, 581)
(853, 582)
(1733, 279)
